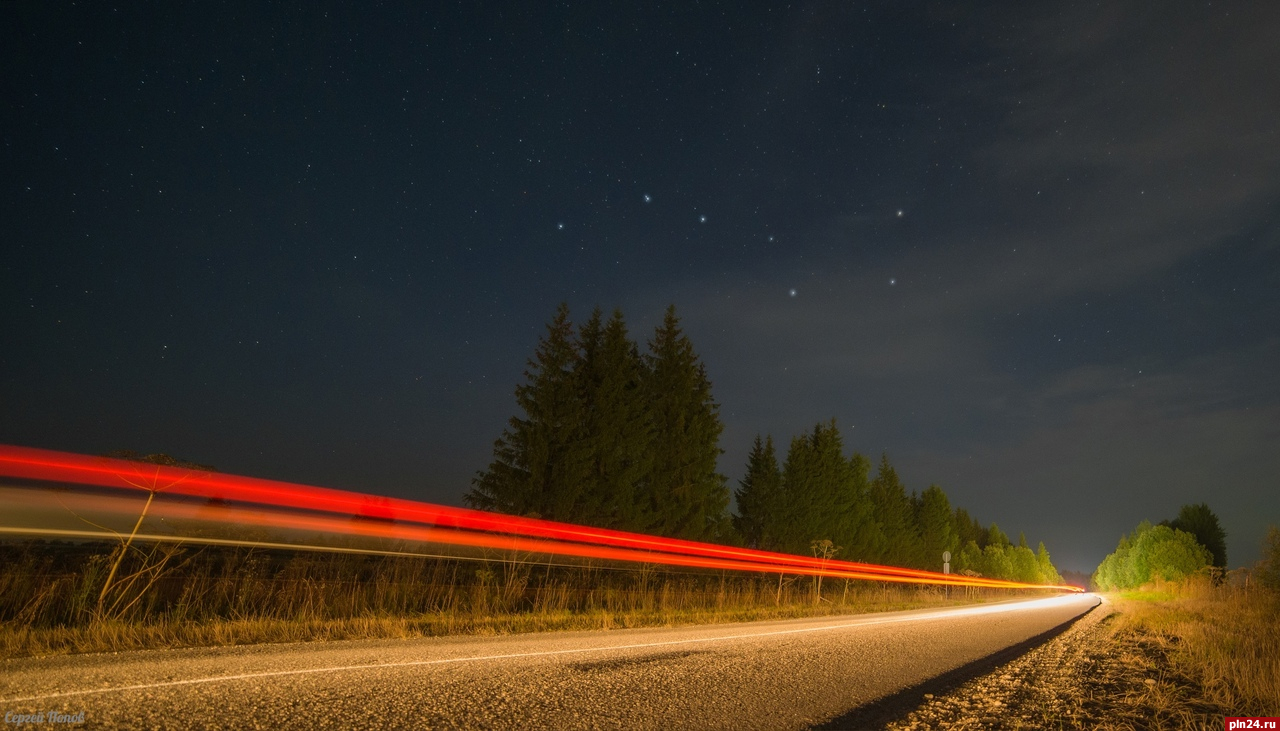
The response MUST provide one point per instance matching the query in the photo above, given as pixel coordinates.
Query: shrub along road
(768, 675)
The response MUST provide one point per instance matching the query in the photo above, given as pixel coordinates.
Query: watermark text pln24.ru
(1241, 723)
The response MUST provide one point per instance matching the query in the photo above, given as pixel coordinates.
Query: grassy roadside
(58, 599)
(1222, 641)
(115, 636)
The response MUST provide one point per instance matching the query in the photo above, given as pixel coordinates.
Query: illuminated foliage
(1008, 562)
(1048, 573)
(1151, 552)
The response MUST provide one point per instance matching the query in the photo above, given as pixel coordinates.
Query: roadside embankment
(1171, 657)
(56, 599)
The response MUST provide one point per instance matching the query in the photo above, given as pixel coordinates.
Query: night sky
(1032, 253)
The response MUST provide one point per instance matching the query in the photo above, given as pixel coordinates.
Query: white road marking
(940, 614)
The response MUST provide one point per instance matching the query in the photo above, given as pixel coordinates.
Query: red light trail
(245, 501)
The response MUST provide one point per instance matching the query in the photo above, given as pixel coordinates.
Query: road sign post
(946, 569)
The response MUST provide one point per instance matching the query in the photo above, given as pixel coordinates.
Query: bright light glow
(231, 500)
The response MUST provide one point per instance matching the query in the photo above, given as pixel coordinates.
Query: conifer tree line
(610, 436)
(819, 493)
(618, 438)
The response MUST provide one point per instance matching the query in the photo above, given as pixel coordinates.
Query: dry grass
(1224, 639)
(218, 597)
(21, 641)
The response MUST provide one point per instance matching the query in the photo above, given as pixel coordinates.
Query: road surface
(767, 675)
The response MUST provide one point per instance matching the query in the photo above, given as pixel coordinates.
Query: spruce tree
(968, 528)
(1048, 572)
(810, 492)
(617, 436)
(586, 374)
(892, 510)
(860, 535)
(758, 497)
(536, 467)
(937, 533)
(824, 495)
(997, 537)
(686, 495)
(835, 478)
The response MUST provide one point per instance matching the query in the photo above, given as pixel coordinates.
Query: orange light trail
(262, 503)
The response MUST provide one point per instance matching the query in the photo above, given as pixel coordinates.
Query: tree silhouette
(617, 433)
(537, 467)
(937, 533)
(607, 437)
(686, 493)
(1200, 521)
(758, 497)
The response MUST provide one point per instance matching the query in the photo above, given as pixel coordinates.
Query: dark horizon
(1032, 254)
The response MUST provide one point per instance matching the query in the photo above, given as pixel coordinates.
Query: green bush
(1151, 552)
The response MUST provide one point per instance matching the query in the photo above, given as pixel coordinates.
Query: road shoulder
(1096, 674)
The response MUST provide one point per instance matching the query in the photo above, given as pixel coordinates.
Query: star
(702, 219)
(647, 198)
(793, 292)
(900, 212)
(560, 226)
(892, 281)
(770, 238)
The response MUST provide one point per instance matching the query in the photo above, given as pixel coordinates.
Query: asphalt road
(768, 675)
